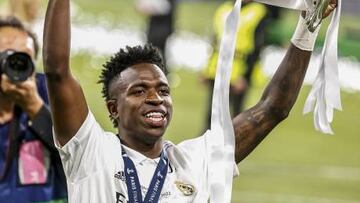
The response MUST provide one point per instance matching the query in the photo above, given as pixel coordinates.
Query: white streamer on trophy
(220, 139)
(324, 96)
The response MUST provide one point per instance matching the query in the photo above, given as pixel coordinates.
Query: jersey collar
(137, 157)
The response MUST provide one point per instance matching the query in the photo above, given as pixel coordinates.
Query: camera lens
(18, 63)
(17, 66)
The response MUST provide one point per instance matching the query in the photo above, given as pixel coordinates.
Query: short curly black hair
(124, 59)
(12, 21)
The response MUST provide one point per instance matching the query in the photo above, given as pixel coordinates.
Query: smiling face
(141, 103)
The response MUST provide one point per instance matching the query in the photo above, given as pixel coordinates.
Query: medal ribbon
(133, 183)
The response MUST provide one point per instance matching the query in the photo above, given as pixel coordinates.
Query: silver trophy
(315, 14)
(314, 9)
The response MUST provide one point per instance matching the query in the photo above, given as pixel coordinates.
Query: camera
(17, 66)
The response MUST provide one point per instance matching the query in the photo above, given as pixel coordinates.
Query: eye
(138, 91)
(164, 91)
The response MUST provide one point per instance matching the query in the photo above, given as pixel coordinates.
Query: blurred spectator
(161, 14)
(273, 36)
(250, 40)
(25, 10)
(30, 166)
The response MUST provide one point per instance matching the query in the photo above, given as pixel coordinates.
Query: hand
(332, 5)
(23, 94)
(321, 11)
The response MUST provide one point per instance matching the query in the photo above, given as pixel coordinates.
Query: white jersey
(94, 168)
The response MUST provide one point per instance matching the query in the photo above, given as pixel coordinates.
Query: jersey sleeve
(82, 155)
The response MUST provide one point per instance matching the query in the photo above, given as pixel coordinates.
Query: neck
(6, 110)
(152, 150)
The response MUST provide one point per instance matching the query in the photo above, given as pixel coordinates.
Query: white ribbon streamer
(220, 138)
(324, 96)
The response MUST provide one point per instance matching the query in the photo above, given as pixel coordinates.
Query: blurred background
(295, 163)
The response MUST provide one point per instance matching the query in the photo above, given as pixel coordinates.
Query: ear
(112, 108)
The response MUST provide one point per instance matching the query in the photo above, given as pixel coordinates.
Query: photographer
(30, 167)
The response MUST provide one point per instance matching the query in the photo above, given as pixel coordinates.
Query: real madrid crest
(186, 189)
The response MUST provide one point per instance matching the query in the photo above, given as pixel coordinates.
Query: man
(30, 166)
(161, 19)
(137, 165)
(250, 41)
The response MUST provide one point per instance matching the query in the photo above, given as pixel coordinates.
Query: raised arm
(252, 126)
(67, 101)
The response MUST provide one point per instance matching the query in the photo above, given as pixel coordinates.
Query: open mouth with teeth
(155, 119)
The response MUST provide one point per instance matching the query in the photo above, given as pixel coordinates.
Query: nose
(154, 99)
